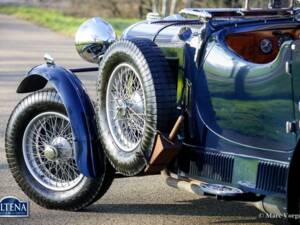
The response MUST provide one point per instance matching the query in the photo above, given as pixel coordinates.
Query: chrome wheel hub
(125, 107)
(48, 152)
(63, 146)
(121, 108)
(60, 148)
(136, 103)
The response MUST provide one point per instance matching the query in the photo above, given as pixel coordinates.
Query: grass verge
(56, 20)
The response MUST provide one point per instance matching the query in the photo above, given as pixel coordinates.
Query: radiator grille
(272, 177)
(214, 166)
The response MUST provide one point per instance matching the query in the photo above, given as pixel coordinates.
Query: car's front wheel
(40, 154)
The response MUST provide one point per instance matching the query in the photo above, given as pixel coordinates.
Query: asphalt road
(141, 200)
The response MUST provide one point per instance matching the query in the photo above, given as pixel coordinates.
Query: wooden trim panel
(247, 45)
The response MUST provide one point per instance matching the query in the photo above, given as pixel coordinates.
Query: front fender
(88, 153)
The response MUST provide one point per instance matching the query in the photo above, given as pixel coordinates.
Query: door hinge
(291, 126)
(288, 67)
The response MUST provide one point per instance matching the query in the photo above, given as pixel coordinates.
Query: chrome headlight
(93, 38)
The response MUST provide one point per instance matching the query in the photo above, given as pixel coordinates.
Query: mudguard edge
(88, 153)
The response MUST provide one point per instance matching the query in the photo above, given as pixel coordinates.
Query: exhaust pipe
(185, 185)
(271, 205)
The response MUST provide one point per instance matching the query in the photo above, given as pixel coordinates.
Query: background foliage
(127, 8)
(58, 21)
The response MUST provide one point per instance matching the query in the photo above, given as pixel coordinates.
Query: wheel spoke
(125, 107)
(59, 172)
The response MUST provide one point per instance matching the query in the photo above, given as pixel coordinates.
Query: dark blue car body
(242, 128)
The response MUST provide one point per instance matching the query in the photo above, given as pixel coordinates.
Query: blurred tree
(173, 7)
(145, 6)
(165, 8)
(155, 6)
(136, 8)
(188, 3)
(112, 6)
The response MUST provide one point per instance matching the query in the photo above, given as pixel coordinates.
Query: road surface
(130, 201)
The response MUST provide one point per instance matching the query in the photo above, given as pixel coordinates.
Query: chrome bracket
(291, 126)
(49, 59)
(288, 67)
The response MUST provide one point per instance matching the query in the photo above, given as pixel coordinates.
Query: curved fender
(88, 153)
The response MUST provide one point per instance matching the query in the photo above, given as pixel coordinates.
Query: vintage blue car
(207, 97)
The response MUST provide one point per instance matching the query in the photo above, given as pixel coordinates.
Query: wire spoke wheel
(136, 99)
(40, 151)
(48, 151)
(125, 107)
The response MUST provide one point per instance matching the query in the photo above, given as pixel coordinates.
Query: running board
(220, 192)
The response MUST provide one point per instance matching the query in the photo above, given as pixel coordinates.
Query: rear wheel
(40, 154)
(293, 187)
(136, 98)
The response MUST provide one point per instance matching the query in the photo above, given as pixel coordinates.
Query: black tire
(295, 211)
(87, 191)
(293, 187)
(160, 98)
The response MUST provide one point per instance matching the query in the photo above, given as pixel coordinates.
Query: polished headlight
(93, 38)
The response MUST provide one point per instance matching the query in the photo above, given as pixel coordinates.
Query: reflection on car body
(207, 97)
